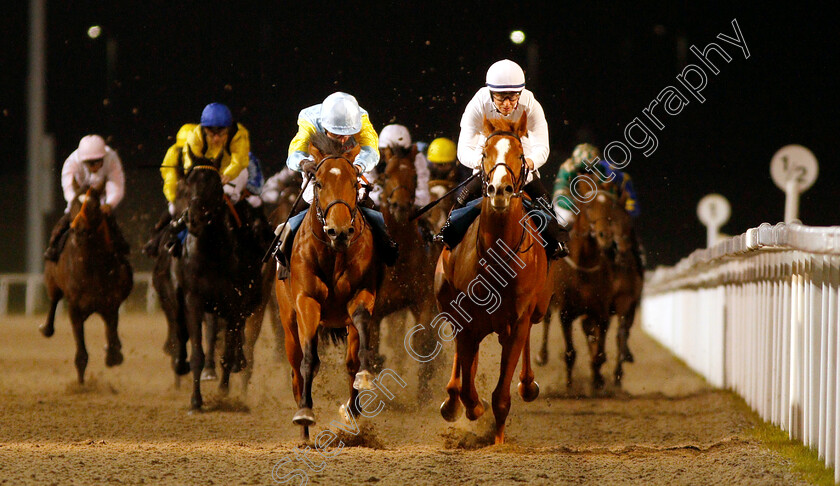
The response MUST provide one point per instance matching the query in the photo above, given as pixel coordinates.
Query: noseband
(518, 182)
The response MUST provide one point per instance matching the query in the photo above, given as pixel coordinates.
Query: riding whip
(426, 208)
(272, 249)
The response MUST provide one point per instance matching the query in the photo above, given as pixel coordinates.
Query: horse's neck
(505, 226)
(583, 248)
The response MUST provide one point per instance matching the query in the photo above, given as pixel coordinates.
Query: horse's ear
(488, 127)
(520, 128)
(314, 152)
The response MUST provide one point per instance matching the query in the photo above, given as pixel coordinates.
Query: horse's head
(85, 212)
(400, 182)
(335, 189)
(204, 184)
(596, 214)
(503, 169)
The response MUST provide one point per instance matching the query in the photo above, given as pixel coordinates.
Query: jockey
(97, 166)
(505, 97)
(398, 135)
(576, 164)
(217, 132)
(443, 161)
(340, 118)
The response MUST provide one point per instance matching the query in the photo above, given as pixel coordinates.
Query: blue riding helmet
(216, 115)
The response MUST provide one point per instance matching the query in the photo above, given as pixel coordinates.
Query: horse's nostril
(508, 189)
(350, 230)
(331, 232)
(491, 190)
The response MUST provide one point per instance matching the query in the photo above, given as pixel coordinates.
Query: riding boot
(288, 231)
(57, 238)
(387, 248)
(469, 192)
(121, 246)
(557, 236)
(150, 249)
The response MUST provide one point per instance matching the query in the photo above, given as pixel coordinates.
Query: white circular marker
(517, 37)
(794, 162)
(714, 210)
(94, 31)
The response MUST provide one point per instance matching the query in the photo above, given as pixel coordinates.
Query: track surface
(129, 425)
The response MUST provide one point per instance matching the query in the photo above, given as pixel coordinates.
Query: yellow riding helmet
(442, 151)
(181, 138)
(585, 151)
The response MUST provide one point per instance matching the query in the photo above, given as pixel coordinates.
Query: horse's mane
(400, 151)
(326, 145)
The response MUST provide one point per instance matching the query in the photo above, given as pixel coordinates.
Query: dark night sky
(418, 63)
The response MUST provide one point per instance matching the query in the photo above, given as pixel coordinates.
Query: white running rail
(34, 283)
(758, 314)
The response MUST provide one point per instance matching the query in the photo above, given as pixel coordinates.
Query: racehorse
(501, 265)
(437, 214)
(91, 276)
(582, 283)
(408, 284)
(628, 281)
(332, 280)
(218, 273)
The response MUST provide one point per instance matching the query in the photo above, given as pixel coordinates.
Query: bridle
(321, 213)
(518, 182)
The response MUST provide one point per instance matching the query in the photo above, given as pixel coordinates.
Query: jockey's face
(216, 136)
(506, 101)
(341, 138)
(94, 165)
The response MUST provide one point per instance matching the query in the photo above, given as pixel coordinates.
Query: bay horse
(437, 215)
(332, 282)
(216, 277)
(502, 253)
(582, 283)
(407, 285)
(628, 282)
(91, 276)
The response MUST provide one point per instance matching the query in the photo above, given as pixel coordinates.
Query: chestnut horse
(91, 276)
(628, 281)
(332, 280)
(408, 284)
(501, 253)
(582, 283)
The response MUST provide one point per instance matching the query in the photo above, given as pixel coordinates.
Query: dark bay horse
(494, 280)
(332, 280)
(582, 284)
(628, 282)
(91, 276)
(408, 284)
(216, 278)
(437, 215)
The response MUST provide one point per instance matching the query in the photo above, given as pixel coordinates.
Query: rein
(577, 267)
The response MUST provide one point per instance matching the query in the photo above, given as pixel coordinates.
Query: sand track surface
(129, 425)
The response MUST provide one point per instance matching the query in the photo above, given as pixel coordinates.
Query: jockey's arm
(299, 147)
(115, 183)
(471, 141)
(421, 165)
(368, 139)
(169, 172)
(195, 144)
(240, 147)
(537, 148)
(68, 177)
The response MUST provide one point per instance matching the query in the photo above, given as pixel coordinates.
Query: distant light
(94, 31)
(517, 37)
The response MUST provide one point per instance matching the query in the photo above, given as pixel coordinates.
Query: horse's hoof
(113, 358)
(196, 403)
(377, 362)
(478, 411)
(344, 412)
(182, 368)
(304, 417)
(363, 381)
(529, 393)
(451, 409)
(208, 374)
(47, 330)
(628, 357)
(541, 359)
(597, 383)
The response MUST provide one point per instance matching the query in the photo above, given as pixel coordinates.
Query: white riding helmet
(395, 135)
(341, 115)
(91, 147)
(505, 75)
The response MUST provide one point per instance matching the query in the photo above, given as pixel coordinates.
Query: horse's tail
(336, 335)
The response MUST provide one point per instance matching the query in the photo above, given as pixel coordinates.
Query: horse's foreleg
(228, 359)
(450, 409)
(596, 330)
(253, 326)
(77, 318)
(625, 321)
(467, 346)
(113, 355)
(211, 328)
(511, 350)
(309, 317)
(353, 363)
(193, 314)
(48, 328)
(528, 389)
(566, 322)
(542, 356)
(362, 308)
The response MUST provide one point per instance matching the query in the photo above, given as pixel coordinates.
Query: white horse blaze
(502, 148)
(335, 171)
